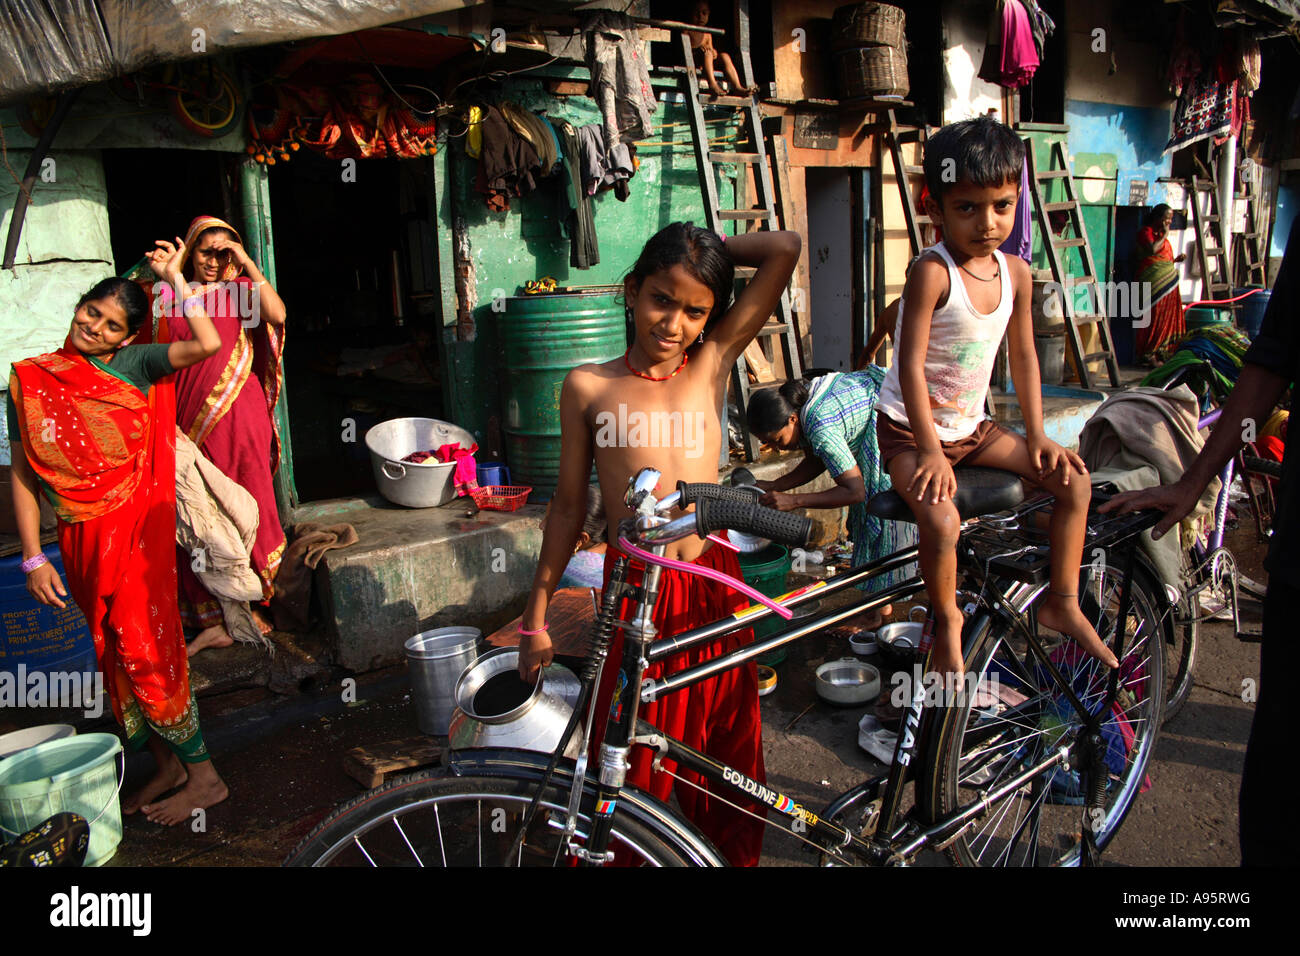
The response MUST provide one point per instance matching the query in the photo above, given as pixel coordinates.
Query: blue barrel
(39, 637)
(1250, 313)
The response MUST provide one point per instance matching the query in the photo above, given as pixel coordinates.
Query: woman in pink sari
(226, 404)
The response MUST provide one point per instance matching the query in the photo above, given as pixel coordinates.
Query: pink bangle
(541, 630)
(34, 562)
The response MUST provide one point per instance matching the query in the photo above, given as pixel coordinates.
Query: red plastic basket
(501, 497)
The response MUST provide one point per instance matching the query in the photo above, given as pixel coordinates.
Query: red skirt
(718, 716)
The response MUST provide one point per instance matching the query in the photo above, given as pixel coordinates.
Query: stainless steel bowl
(848, 681)
(536, 722)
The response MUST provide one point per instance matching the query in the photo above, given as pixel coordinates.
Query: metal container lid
(441, 642)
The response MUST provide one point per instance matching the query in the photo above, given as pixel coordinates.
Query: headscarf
(200, 225)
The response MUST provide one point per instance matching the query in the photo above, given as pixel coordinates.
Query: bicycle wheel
(1017, 718)
(1181, 632)
(429, 819)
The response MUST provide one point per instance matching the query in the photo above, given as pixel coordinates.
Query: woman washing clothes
(226, 404)
(1162, 324)
(833, 419)
(93, 431)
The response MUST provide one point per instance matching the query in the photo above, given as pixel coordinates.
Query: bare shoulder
(928, 279)
(1018, 269)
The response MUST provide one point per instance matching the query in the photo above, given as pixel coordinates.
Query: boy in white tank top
(961, 296)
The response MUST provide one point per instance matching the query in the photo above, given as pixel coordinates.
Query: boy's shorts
(893, 438)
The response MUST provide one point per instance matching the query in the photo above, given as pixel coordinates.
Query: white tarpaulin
(49, 45)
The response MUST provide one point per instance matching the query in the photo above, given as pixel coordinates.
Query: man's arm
(1257, 392)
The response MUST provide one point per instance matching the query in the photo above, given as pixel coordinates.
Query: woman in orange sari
(226, 404)
(93, 430)
(1159, 328)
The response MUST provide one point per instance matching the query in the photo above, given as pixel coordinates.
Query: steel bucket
(412, 484)
(435, 660)
(513, 716)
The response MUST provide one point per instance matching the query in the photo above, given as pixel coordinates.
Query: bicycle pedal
(1250, 635)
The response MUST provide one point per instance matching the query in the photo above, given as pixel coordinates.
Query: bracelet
(34, 562)
(541, 630)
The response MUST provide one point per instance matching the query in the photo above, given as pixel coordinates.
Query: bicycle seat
(980, 491)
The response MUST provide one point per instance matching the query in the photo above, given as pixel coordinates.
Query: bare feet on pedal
(170, 774)
(214, 636)
(1061, 612)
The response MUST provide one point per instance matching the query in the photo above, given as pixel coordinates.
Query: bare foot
(263, 622)
(214, 636)
(1062, 613)
(171, 773)
(204, 789)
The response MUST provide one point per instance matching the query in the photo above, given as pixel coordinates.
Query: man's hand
(780, 500)
(1177, 501)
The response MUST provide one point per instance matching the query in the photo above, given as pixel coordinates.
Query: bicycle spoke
(397, 823)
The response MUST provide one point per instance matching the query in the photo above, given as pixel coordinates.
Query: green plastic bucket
(766, 571)
(1204, 316)
(77, 775)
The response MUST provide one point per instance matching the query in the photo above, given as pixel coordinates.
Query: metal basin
(848, 681)
(424, 484)
(502, 713)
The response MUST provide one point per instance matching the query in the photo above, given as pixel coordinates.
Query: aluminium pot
(424, 484)
(516, 716)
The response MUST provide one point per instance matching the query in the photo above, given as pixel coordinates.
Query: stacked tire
(869, 49)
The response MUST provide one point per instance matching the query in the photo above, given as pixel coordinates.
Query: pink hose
(1237, 298)
(709, 573)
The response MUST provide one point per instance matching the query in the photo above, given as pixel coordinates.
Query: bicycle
(1043, 730)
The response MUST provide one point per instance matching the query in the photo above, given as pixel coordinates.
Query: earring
(701, 338)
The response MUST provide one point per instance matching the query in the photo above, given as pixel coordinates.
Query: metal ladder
(1210, 242)
(766, 214)
(1060, 169)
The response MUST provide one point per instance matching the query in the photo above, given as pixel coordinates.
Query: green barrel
(544, 337)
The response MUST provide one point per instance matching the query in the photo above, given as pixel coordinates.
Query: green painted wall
(524, 243)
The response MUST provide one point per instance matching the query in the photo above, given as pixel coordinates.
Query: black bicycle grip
(696, 491)
(749, 517)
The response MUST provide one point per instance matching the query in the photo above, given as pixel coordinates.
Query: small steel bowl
(863, 643)
(847, 681)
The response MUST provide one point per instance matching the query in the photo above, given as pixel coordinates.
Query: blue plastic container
(1250, 314)
(493, 473)
(42, 638)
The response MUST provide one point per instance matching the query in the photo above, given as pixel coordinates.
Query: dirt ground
(282, 757)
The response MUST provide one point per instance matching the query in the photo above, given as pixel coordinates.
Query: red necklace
(653, 378)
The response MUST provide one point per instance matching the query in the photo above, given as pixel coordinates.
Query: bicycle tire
(208, 111)
(1182, 634)
(337, 840)
(974, 753)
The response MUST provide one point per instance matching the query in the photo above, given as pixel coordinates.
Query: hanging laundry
(1040, 24)
(1021, 241)
(530, 127)
(579, 220)
(1205, 109)
(507, 163)
(1010, 58)
(620, 80)
(602, 166)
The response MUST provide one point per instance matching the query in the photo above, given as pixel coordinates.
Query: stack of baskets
(869, 48)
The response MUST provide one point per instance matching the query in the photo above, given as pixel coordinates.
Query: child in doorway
(706, 54)
(686, 341)
(961, 296)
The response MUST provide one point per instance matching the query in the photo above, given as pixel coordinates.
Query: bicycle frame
(895, 839)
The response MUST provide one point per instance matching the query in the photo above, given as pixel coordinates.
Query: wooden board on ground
(369, 764)
(569, 616)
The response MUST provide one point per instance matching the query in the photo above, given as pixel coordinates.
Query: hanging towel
(308, 543)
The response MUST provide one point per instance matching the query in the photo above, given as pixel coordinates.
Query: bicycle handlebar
(749, 517)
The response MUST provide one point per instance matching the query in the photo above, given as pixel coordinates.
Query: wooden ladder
(1253, 262)
(756, 157)
(906, 174)
(1210, 242)
(1060, 170)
